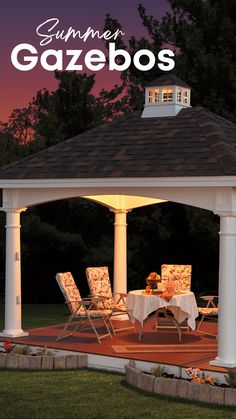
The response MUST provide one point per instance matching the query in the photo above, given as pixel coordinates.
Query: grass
(38, 315)
(90, 394)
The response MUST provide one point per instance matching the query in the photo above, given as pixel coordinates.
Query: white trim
(181, 181)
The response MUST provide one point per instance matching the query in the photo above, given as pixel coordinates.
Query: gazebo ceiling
(126, 202)
(194, 143)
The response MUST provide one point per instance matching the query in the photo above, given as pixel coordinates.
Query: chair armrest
(210, 300)
(209, 297)
(86, 303)
(78, 301)
(121, 298)
(101, 297)
(121, 294)
(89, 298)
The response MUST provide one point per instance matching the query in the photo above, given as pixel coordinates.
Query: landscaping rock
(3, 360)
(205, 393)
(218, 395)
(131, 363)
(182, 389)
(132, 375)
(145, 381)
(35, 362)
(71, 362)
(166, 386)
(59, 362)
(23, 362)
(12, 360)
(230, 397)
(47, 362)
(194, 390)
(82, 361)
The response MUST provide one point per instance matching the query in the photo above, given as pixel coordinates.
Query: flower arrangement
(198, 376)
(152, 280)
(158, 370)
(25, 350)
(45, 351)
(8, 347)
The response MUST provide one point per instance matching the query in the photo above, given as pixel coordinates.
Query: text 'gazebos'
(169, 152)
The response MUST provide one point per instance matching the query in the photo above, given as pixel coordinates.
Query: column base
(13, 333)
(217, 362)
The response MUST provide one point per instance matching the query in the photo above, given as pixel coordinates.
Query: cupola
(166, 96)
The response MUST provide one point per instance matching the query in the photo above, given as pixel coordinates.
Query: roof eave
(124, 182)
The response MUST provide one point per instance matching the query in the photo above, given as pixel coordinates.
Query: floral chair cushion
(100, 285)
(208, 311)
(211, 308)
(179, 275)
(70, 291)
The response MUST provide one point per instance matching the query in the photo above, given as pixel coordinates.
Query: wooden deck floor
(161, 346)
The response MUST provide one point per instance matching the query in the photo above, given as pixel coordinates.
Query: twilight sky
(18, 22)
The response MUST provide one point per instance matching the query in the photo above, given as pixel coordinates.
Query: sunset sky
(18, 23)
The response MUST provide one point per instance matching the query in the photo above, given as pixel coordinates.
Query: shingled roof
(193, 143)
(168, 80)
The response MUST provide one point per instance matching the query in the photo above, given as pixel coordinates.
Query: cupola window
(179, 95)
(185, 96)
(167, 95)
(154, 95)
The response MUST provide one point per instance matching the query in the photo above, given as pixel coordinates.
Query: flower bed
(177, 387)
(44, 362)
(22, 357)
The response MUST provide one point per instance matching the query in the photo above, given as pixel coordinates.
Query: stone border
(179, 388)
(43, 362)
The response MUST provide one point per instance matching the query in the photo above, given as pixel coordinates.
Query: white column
(13, 326)
(120, 252)
(226, 356)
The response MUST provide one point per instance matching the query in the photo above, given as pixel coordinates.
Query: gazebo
(171, 151)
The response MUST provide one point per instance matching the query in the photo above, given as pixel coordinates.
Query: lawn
(90, 394)
(38, 315)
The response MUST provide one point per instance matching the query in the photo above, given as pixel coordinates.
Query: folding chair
(100, 286)
(82, 310)
(179, 277)
(209, 311)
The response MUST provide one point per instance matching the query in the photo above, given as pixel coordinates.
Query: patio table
(183, 306)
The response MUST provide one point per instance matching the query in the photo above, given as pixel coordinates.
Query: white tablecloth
(183, 306)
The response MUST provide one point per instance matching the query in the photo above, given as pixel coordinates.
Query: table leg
(140, 333)
(172, 319)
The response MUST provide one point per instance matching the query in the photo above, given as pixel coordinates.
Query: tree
(133, 79)
(21, 125)
(9, 149)
(203, 35)
(72, 108)
(52, 117)
(204, 32)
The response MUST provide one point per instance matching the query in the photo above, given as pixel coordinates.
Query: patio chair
(100, 286)
(82, 310)
(179, 277)
(209, 311)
